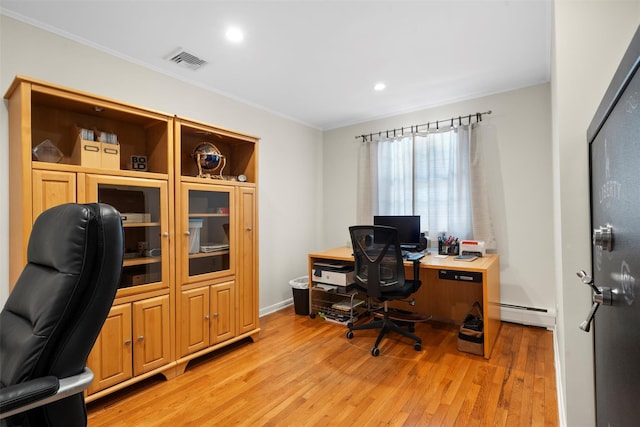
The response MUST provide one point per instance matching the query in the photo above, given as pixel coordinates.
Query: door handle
(603, 238)
(599, 296)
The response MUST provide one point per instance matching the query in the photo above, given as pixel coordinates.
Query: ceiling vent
(186, 59)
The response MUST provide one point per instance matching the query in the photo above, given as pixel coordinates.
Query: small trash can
(300, 289)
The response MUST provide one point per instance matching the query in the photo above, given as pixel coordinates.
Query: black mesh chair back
(378, 259)
(379, 271)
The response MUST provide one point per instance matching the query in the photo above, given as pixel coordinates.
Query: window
(426, 174)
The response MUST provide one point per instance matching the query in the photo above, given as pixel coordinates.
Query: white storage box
(195, 224)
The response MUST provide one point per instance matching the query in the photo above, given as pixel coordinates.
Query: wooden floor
(304, 372)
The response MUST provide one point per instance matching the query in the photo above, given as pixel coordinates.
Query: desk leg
(491, 307)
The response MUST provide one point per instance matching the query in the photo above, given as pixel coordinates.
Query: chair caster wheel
(349, 334)
(417, 346)
(312, 315)
(375, 352)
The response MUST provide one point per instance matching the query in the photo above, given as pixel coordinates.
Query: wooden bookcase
(70, 146)
(216, 279)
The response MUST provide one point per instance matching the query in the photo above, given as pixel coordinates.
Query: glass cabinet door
(207, 218)
(143, 207)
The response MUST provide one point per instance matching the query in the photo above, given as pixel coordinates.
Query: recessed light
(234, 35)
(380, 86)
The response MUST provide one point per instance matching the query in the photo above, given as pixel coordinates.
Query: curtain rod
(415, 128)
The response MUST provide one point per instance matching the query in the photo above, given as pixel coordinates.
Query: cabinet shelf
(208, 215)
(208, 254)
(64, 167)
(140, 224)
(141, 261)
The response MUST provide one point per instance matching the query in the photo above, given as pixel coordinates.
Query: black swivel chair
(53, 315)
(379, 271)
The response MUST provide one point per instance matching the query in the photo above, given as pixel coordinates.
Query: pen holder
(448, 249)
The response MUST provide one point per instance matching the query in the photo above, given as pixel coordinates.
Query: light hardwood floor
(304, 372)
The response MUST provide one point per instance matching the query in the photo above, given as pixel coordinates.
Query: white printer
(336, 274)
(472, 247)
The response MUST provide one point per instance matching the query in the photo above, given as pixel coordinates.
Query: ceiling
(317, 61)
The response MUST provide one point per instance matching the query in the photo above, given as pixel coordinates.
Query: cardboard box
(95, 154)
(110, 156)
(87, 153)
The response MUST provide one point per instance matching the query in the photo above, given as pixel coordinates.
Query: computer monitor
(408, 227)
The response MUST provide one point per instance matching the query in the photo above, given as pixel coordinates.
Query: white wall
(289, 212)
(516, 144)
(590, 40)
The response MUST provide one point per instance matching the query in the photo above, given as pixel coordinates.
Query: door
(52, 188)
(615, 220)
(151, 336)
(144, 206)
(110, 357)
(208, 232)
(223, 325)
(247, 279)
(194, 320)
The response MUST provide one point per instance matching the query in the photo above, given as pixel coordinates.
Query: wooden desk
(445, 300)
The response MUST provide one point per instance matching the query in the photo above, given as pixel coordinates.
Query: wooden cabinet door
(207, 232)
(144, 206)
(110, 358)
(151, 334)
(247, 272)
(51, 188)
(194, 320)
(223, 314)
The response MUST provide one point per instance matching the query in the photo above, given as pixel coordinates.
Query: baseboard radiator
(530, 316)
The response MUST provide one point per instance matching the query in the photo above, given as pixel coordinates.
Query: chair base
(385, 325)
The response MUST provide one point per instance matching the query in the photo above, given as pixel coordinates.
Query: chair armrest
(416, 274)
(31, 394)
(19, 395)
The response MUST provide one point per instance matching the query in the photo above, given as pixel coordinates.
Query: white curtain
(437, 175)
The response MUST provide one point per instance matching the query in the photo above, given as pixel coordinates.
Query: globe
(208, 158)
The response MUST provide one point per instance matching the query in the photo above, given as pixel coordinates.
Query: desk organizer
(448, 249)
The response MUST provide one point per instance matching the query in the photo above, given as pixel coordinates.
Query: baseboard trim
(275, 307)
(562, 412)
(528, 316)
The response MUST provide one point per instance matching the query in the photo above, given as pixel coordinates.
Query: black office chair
(53, 315)
(379, 271)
